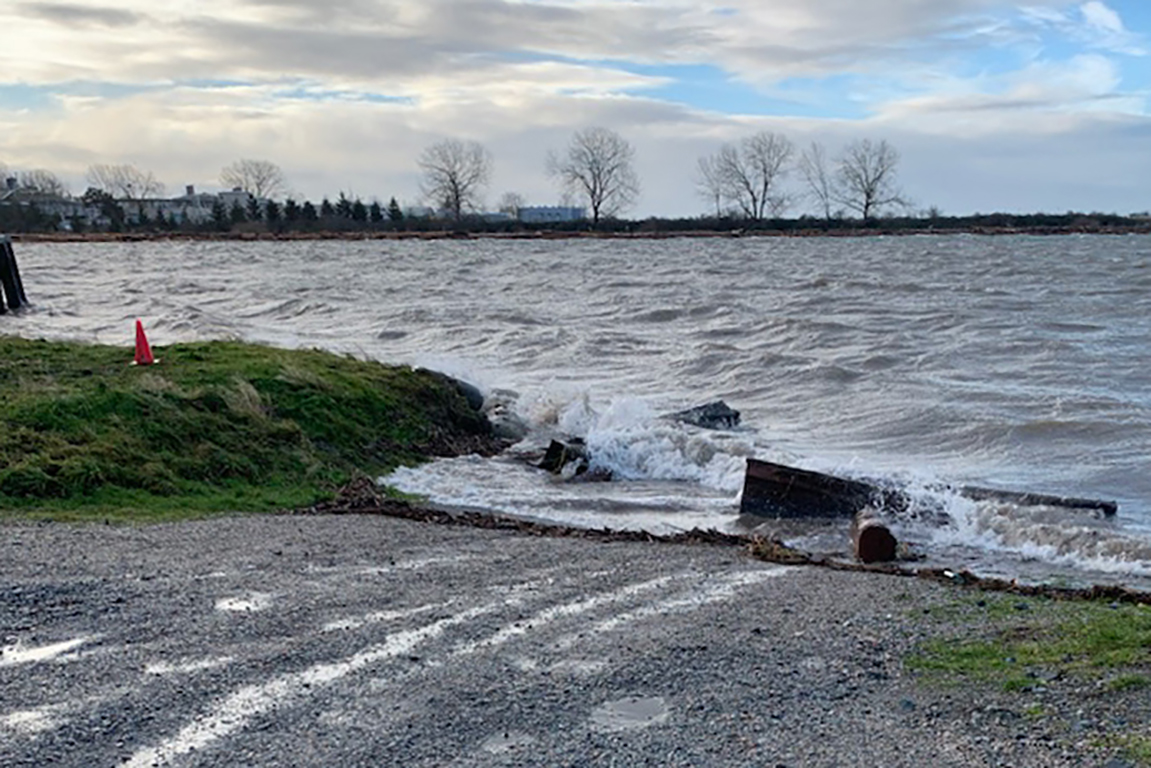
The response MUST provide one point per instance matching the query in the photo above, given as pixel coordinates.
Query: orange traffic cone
(143, 351)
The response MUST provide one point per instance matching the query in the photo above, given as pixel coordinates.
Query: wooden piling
(872, 539)
(13, 287)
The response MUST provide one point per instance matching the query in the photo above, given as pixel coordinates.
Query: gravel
(367, 641)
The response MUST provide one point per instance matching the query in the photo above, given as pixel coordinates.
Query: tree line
(744, 184)
(742, 180)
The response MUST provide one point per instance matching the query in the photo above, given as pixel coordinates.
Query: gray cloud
(81, 15)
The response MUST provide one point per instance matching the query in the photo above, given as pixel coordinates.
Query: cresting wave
(1011, 362)
(654, 461)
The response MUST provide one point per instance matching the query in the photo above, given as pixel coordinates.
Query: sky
(993, 106)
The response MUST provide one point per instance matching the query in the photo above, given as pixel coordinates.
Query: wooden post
(873, 540)
(10, 276)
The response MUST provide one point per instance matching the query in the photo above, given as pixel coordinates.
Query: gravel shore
(366, 641)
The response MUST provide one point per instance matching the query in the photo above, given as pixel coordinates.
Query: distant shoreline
(639, 234)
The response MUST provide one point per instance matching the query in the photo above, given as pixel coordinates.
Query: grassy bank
(1020, 643)
(1058, 664)
(217, 426)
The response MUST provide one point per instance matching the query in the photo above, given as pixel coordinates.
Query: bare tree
(709, 183)
(598, 166)
(126, 182)
(817, 177)
(749, 175)
(866, 178)
(455, 173)
(43, 181)
(510, 203)
(261, 179)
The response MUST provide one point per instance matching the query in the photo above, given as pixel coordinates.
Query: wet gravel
(366, 641)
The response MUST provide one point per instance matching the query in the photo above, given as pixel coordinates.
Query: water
(1013, 362)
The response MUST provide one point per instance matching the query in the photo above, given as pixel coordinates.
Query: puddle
(506, 742)
(629, 713)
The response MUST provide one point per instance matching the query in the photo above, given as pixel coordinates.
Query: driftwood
(363, 497)
(1108, 508)
(775, 490)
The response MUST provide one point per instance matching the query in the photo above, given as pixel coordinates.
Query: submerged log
(1108, 508)
(872, 539)
(776, 490)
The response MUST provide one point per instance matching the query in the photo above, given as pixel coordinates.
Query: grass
(1017, 643)
(215, 426)
(1136, 747)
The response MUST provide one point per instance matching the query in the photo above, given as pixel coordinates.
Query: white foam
(1047, 535)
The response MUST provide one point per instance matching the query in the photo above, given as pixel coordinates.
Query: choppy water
(1013, 362)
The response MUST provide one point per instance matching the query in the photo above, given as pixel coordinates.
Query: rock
(717, 415)
(506, 423)
(571, 460)
(469, 392)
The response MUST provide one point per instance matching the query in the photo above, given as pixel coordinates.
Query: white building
(67, 209)
(551, 214)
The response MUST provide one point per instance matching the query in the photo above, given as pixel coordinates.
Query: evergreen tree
(291, 211)
(376, 213)
(254, 209)
(326, 209)
(108, 206)
(220, 216)
(394, 213)
(344, 206)
(272, 213)
(359, 211)
(237, 213)
(308, 212)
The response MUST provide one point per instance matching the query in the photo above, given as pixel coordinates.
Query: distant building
(551, 214)
(191, 208)
(66, 209)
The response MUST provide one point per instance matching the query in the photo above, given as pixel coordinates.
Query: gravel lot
(370, 641)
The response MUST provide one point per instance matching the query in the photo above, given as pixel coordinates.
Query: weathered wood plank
(777, 490)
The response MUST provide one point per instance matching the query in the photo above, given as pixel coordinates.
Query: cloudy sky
(993, 105)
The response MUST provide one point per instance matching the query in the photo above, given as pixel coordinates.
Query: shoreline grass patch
(215, 426)
(1018, 644)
